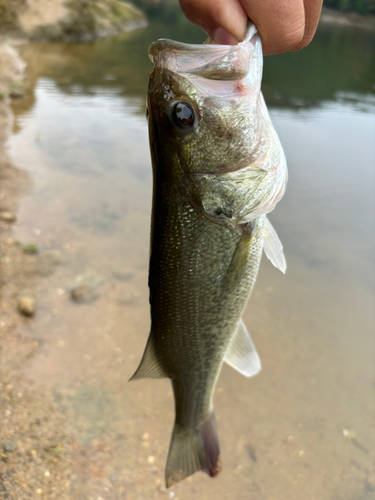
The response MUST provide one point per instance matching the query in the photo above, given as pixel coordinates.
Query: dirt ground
(35, 443)
(33, 440)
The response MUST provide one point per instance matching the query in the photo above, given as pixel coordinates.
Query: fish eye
(184, 115)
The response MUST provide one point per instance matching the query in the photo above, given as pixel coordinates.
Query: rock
(10, 446)
(87, 20)
(17, 93)
(7, 217)
(26, 306)
(82, 293)
(83, 286)
(89, 277)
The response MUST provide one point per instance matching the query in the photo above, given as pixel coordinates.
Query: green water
(304, 427)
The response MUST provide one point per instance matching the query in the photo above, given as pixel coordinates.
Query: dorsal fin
(149, 367)
(241, 354)
(272, 247)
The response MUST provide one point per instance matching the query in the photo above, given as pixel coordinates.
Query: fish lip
(188, 58)
(210, 61)
(166, 44)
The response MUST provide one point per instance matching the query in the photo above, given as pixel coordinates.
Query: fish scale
(218, 169)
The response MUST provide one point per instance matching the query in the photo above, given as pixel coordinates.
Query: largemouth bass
(218, 169)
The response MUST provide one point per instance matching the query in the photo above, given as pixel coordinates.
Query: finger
(281, 24)
(312, 14)
(223, 20)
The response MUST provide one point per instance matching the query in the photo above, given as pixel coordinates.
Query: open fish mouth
(223, 64)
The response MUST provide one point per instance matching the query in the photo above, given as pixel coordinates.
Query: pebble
(89, 277)
(82, 288)
(10, 446)
(26, 306)
(82, 293)
(151, 459)
(17, 93)
(7, 217)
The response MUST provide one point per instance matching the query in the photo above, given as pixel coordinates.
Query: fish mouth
(209, 60)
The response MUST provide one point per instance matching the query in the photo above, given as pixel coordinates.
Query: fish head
(207, 115)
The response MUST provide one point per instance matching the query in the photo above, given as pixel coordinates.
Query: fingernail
(223, 37)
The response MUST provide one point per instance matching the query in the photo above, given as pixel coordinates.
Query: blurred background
(75, 199)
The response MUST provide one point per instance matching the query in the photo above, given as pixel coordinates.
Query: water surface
(305, 426)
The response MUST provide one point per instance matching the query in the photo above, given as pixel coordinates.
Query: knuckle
(294, 36)
(306, 39)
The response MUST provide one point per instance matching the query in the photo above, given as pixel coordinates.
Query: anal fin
(272, 246)
(241, 353)
(149, 366)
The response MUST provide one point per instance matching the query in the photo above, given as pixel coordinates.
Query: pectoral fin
(149, 366)
(272, 247)
(241, 354)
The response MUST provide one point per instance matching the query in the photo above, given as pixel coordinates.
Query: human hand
(283, 25)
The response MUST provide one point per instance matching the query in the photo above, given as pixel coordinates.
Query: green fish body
(218, 168)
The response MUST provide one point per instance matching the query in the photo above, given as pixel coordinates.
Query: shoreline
(23, 440)
(346, 19)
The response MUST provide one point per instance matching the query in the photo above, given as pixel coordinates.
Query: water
(303, 428)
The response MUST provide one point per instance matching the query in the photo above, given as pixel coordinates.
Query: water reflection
(82, 136)
(340, 61)
(339, 64)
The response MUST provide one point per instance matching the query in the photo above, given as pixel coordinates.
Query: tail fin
(192, 450)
